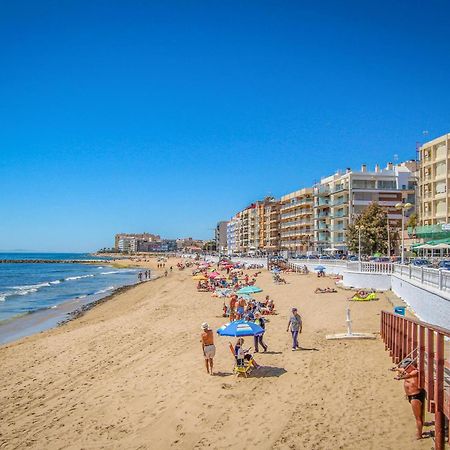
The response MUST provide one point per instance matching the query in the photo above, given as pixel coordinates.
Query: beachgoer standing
(165, 273)
(295, 324)
(416, 396)
(259, 320)
(209, 349)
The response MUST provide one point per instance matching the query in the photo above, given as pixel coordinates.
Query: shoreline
(82, 310)
(46, 318)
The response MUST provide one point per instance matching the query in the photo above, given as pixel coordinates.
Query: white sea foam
(102, 291)
(55, 282)
(108, 273)
(78, 277)
(2, 297)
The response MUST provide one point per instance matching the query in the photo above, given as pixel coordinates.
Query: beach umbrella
(214, 274)
(240, 328)
(249, 290)
(276, 270)
(199, 277)
(320, 268)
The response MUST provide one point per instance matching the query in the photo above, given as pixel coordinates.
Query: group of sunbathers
(239, 308)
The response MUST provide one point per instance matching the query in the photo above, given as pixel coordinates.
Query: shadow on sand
(267, 372)
(308, 349)
(223, 374)
(271, 353)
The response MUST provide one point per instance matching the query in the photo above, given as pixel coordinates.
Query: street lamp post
(359, 228)
(403, 207)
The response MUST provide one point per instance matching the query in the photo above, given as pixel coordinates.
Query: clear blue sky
(166, 116)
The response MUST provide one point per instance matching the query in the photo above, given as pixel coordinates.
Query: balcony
(322, 190)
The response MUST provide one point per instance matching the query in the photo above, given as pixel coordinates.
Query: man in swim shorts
(408, 372)
(209, 349)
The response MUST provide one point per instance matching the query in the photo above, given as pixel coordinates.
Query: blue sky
(169, 116)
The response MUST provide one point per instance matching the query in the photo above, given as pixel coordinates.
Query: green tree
(412, 223)
(374, 232)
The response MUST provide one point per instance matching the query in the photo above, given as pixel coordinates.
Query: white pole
(403, 236)
(349, 323)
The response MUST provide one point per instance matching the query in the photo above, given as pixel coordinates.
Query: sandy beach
(130, 374)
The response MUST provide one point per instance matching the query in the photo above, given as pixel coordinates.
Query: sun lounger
(238, 369)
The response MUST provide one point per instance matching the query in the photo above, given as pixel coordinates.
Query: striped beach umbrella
(240, 328)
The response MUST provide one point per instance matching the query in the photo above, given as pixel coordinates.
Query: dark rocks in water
(52, 261)
(75, 314)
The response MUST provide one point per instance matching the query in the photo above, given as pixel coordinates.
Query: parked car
(444, 265)
(352, 258)
(421, 263)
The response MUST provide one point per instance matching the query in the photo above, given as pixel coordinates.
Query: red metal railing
(404, 337)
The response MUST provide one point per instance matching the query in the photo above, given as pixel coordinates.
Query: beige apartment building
(434, 175)
(268, 223)
(340, 198)
(296, 221)
(248, 230)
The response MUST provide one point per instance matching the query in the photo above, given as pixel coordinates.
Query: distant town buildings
(142, 242)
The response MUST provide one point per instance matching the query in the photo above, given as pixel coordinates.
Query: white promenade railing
(438, 279)
(363, 266)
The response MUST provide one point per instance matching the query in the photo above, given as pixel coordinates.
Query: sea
(36, 296)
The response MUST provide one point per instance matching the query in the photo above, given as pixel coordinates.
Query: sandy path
(130, 375)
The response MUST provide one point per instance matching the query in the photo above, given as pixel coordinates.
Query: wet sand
(130, 374)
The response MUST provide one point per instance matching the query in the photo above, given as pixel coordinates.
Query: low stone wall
(428, 304)
(361, 280)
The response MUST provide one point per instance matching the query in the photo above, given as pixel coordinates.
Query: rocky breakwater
(53, 261)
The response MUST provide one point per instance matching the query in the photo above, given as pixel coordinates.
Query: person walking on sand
(259, 320)
(295, 324)
(407, 371)
(209, 349)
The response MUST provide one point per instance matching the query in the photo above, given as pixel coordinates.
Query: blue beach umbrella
(240, 328)
(320, 268)
(276, 270)
(249, 290)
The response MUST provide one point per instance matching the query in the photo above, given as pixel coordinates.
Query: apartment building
(434, 174)
(128, 238)
(269, 225)
(296, 222)
(127, 244)
(233, 227)
(340, 198)
(249, 230)
(220, 236)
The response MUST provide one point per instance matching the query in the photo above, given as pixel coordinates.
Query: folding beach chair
(239, 369)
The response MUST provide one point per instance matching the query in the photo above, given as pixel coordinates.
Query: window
(387, 184)
(363, 184)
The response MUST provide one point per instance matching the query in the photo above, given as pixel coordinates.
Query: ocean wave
(81, 296)
(78, 277)
(102, 291)
(2, 297)
(56, 281)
